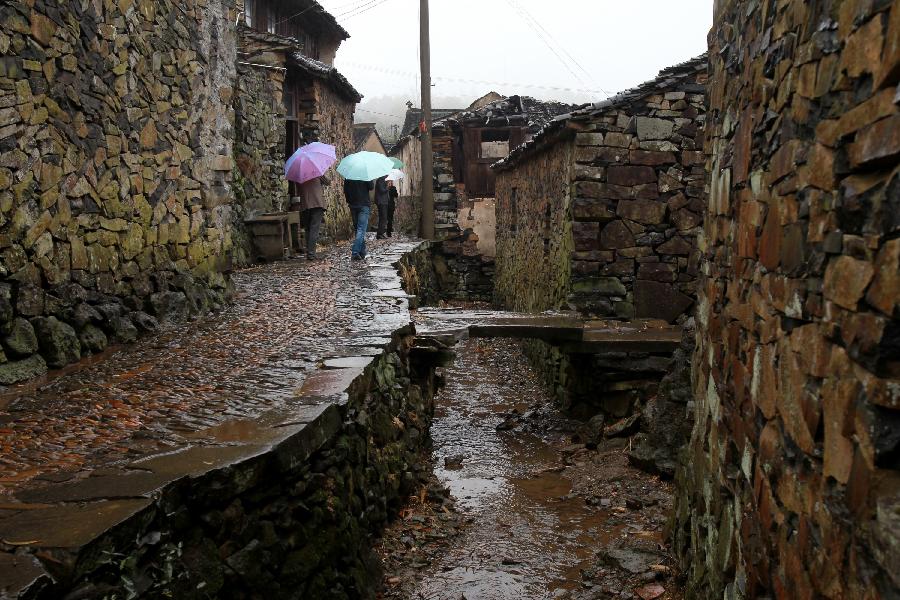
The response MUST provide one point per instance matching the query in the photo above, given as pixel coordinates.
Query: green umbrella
(365, 166)
(398, 164)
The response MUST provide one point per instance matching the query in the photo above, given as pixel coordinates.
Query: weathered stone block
(616, 235)
(846, 280)
(658, 300)
(22, 370)
(654, 129)
(58, 341)
(630, 175)
(592, 210)
(651, 212)
(21, 340)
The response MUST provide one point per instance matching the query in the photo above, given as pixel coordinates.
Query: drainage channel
(533, 515)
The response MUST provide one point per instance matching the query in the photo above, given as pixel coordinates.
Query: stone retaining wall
(115, 171)
(282, 506)
(791, 485)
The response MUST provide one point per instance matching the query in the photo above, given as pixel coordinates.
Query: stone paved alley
(286, 319)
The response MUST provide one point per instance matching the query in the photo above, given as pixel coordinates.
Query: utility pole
(427, 228)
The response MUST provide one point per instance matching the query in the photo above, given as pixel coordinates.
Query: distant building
(366, 138)
(466, 143)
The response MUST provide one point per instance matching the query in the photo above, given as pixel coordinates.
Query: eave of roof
(557, 128)
(295, 58)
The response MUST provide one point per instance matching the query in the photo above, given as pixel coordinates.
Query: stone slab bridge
(569, 332)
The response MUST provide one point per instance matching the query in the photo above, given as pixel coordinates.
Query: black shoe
(390, 234)
(356, 257)
(379, 237)
(312, 257)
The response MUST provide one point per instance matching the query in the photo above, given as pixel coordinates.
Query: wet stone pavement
(286, 320)
(530, 514)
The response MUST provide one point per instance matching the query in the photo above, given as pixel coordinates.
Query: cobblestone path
(285, 320)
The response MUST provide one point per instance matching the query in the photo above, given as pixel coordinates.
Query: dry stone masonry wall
(259, 149)
(634, 207)
(534, 233)
(115, 167)
(790, 486)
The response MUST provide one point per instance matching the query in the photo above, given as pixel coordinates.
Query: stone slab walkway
(287, 320)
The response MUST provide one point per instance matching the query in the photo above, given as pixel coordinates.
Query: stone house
(600, 211)
(466, 143)
(367, 139)
(288, 94)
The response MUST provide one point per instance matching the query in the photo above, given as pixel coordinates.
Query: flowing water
(529, 536)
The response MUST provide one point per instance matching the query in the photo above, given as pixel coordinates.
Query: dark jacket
(382, 196)
(394, 194)
(357, 192)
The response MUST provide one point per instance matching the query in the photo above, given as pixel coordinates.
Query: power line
(558, 44)
(544, 39)
(411, 75)
(356, 12)
(373, 112)
(317, 6)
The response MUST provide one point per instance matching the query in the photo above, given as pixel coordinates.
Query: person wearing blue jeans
(357, 194)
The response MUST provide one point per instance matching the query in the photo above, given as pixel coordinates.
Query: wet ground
(531, 515)
(285, 320)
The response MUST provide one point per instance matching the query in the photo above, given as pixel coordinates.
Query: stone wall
(791, 487)
(115, 168)
(636, 175)
(534, 232)
(259, 183)
(639, 193)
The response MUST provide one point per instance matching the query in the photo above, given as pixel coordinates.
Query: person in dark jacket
(357, 194)
(392, 206)
(382, 201)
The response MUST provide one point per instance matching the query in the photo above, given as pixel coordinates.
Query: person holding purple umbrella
(313, 204)
(307, 166)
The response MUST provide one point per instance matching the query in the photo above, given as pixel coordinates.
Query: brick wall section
(534, 232)
(791, 486)
(115, 167)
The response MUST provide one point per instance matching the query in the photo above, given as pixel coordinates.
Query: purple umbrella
(309, 162)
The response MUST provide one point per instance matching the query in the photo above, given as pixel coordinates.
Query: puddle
(529, 537)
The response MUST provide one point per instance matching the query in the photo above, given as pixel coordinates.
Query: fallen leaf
(28, 543)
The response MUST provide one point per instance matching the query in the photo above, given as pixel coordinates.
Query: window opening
(249, 12)
(494, 143)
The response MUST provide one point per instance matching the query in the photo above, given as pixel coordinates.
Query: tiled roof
(294, 52)
(522, 111)
(326, 71)
(666, 79)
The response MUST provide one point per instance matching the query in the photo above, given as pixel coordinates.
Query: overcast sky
(605, 45)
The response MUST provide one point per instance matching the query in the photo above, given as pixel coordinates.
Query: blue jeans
(361, 222)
